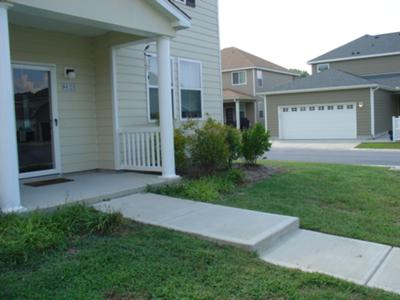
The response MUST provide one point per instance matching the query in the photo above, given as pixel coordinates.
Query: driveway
(332, 152)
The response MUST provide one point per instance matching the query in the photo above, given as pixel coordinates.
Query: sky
(292, 32)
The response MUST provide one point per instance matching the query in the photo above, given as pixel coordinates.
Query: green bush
(180, 144)
(255, 142)
(35, 234)
(234, 140)
(209, 149)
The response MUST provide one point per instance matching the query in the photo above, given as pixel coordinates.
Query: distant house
(353, 93)
(244, 76)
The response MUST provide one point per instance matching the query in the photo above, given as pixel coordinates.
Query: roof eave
(324, 89)
(316, 61)
(260, 68)
(182, 19)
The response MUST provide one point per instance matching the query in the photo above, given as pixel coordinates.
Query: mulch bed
(257, 173)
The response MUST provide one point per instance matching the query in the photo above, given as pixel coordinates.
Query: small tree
(255, 143)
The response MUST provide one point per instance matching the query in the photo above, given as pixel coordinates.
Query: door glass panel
(33, 120)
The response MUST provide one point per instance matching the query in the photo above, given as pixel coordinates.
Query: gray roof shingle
(365, 45)
(388, 80)
(327, 79)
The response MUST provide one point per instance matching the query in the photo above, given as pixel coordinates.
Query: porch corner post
(237, 111)
(165, 107)
(10, 198)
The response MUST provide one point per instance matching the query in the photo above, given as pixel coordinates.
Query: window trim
(262, 79)
(323, 64)
(245, 78)
(149, 86)
(180, 89)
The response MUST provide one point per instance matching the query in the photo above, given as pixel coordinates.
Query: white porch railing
(396, 129)
(141, 149)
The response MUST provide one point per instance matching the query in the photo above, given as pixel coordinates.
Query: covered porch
(240, 110)
(59, 111)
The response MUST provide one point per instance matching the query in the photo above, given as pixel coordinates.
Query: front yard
(353, 201)
(387, 145)
(142, 262)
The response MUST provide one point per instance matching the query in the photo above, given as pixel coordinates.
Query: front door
(36, 120)
(229, 116)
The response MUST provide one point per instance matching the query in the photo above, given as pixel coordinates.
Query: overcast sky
(291, 32)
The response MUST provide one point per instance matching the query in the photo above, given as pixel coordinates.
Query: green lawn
(387, 145)
(144, 262)
(353, 201)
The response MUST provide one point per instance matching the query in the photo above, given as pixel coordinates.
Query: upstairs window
(191, 3)
(239, 78)
(259, 79)
(322, 67)
(190, 83)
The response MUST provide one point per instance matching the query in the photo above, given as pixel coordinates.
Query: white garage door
(318, 121)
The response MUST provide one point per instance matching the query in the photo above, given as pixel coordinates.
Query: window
(350, 106)
(242, 109)
(340, 107)
(322, 67)
(302, 109)
(259, 79)
(330, 107)
(311, 108)
(321, 107)
(261, 114)
(239, 78)
(152, 87)
(191, 3)
(190, 89)
(285, 109)
(294, 109)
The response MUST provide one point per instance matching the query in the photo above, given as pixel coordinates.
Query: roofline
(311, 62)
(183, 20)
(261, 68)
(350, 87)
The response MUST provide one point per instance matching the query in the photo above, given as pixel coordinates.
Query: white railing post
(165, 107)
(10, 197)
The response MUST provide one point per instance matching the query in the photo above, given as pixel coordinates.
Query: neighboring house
(100, 84)
(243, 76)
(353, 93)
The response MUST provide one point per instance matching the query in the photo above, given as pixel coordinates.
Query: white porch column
(237, 111)
(255, 113)
(165, 107)
(10, 199)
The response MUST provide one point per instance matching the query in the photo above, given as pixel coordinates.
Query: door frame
(54, 111)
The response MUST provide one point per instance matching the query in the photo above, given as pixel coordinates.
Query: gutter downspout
(265, 113)
(372, 104)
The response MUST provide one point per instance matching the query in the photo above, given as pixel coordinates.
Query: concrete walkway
(277, 239)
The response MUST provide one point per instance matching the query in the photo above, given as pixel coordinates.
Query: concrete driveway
(342, 152)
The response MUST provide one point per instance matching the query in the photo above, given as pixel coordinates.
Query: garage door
(318, 121)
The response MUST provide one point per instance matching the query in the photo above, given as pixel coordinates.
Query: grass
(144, 262)
(353, 201)
(387, 145)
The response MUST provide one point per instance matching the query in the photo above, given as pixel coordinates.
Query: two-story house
(353, 93)
(99, 85)
(244, 76)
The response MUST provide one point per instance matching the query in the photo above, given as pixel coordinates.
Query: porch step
(249, 230)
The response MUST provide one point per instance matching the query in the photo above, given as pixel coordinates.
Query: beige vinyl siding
(199, 43)
(246, 89)
(77, 110)
(359, 95)
(376, 65)
(385, 109)
(272, 80)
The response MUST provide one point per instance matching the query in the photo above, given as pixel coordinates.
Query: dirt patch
(257, 173)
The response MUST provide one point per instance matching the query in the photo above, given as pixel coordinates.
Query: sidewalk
(277, 239)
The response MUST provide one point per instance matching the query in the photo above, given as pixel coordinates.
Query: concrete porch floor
(89, 187)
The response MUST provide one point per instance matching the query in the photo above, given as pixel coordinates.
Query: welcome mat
(48, 182)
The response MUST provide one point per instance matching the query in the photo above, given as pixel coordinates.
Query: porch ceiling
(94, 17)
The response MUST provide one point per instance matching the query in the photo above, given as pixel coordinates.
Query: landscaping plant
(255, 142)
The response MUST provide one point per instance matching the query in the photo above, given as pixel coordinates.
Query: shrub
(180, 144)
(209, 149)
(255, 143)
(25, 236)
(234, 140)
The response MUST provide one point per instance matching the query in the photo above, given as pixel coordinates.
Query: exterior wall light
(70, 73)
(361, 104)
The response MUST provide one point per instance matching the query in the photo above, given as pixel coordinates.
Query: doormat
(48, 182)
